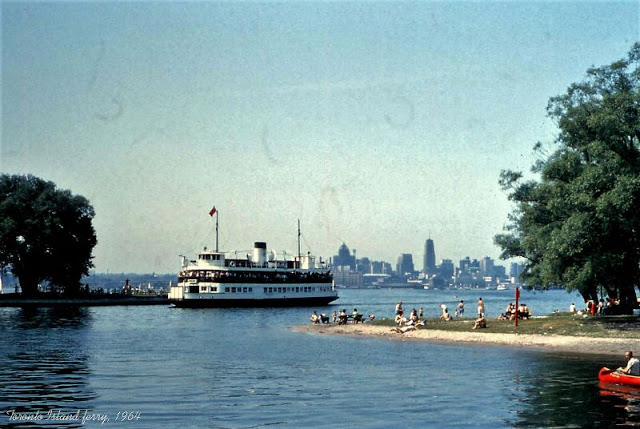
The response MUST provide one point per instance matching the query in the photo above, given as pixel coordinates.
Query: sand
(482, 337)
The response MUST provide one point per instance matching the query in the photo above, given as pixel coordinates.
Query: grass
(557, 324)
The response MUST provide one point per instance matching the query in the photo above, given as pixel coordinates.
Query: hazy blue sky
(377, 124)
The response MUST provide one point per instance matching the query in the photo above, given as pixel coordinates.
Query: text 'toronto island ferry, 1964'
(216, 279)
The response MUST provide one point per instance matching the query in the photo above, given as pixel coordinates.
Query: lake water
(160, 367)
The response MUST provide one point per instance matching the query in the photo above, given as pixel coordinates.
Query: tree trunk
(29, 285)
(628, 299)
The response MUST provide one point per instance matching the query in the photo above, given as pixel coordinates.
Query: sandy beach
(549, 343)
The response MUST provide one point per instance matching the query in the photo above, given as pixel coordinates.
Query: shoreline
(548, 343)
(98, 300)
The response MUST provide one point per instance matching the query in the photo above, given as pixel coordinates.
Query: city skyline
(351, 260)
(374, 123)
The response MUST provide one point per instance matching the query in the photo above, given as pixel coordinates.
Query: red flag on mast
(212, 211)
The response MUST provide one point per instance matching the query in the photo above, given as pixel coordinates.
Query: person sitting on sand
(523, 312)
(315, 318)
(400, 319)
(509, 312)
(413, 317)
(402, 330)
(445, 313)
(633, 365)
(342, 317)
(480, 323)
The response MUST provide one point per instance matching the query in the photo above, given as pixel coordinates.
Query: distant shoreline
(549, 343)
(13, 300)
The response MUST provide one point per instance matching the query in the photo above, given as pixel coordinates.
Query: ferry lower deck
(251, 295)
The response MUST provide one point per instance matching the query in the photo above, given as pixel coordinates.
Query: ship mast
(299, 255)
(216, 231)
(212, 212)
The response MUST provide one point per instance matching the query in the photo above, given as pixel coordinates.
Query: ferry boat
(219, 279)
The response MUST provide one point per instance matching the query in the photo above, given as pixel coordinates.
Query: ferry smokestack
(259, 253)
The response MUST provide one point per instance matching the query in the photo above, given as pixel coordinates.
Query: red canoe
(607, 375)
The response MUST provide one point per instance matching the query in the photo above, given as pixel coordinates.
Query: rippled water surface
(157, 367)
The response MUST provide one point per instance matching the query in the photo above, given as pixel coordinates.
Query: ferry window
(214, 289)
(233, 290)
(297, 289)
(244, 289)
(193, 289)
(250, 289)
(226, 289)
(203, 288)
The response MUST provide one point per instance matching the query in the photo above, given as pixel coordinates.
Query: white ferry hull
(254, 296)
(316, 301)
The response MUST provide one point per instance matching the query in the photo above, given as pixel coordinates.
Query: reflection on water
(623, 401)
(45, 368)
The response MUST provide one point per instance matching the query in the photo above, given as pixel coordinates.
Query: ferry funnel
(260, 253)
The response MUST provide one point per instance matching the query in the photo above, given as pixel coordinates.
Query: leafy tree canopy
(578, 225)
(46, 234)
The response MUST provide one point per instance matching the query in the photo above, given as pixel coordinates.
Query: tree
(578, 225)
(46, 234)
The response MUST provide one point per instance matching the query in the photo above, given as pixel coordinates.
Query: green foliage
(578, 226)
(46, 234)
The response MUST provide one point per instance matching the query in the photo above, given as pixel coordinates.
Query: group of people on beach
(510, 313)
(341, 317)
(416, 316)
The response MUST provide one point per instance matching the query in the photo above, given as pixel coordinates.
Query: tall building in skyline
(405, 264)
(344, 259)
(429, 266)
(486, 266)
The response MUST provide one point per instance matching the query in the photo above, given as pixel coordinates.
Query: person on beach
(480, 308)
(633, 364)
(342, 317)
(315, 318)
(403, 329)
(400, 319)
(399, 308)
(445, 313)
(413, 317)
(572, 308)
(461, 308)
(480, 322)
